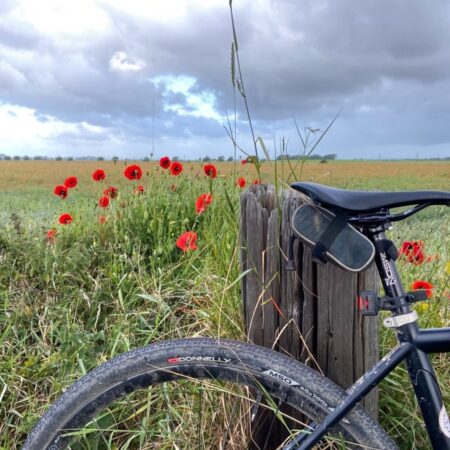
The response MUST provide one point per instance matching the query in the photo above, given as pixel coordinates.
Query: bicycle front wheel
(199, 394)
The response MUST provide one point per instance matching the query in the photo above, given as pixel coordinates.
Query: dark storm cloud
(325, 52)
(384, 63)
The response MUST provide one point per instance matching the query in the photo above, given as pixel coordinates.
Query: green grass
(100, 290)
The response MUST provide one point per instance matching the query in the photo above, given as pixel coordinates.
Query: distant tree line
(100, 158)
(327, 157)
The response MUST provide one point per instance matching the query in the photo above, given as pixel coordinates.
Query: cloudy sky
(131, 77)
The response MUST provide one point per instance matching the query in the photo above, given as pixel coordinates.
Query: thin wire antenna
(153, 129)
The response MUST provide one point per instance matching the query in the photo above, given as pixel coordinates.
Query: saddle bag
(332, 238)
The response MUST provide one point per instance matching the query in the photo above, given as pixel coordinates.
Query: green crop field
(114, 279)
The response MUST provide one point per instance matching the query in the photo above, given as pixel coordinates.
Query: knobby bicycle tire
(264, 378)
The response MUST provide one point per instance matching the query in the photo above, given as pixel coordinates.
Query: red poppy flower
(416, 256)
(176, 168)
(210, 170)
(406, 247)
(139, 189)
(133, 172)
(202, 202)
(244, 161)
(51, 236)
(110, 192)
(420, 284)
(102, 219)
(99, 175)
(71, 182)
(241, 182)
(164, 162)
(65, 219)
(413, 251)
(257, 181)
(103, 202)
(61, 191)
(187, 241)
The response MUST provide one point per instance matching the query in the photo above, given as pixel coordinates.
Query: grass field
(100, 289)
(19, 176)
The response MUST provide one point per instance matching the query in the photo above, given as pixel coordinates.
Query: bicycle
(309, 408)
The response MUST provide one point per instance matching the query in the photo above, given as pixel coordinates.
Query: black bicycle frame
(413, 348)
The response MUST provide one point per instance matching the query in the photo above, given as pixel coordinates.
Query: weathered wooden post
(310, 313)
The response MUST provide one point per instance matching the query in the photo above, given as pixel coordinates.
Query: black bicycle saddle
(365, 201)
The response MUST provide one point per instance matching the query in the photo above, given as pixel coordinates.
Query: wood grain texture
(309, 313)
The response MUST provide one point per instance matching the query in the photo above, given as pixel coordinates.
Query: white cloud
(120, 63)
(197, 103)
(62, 17)
(24, 129)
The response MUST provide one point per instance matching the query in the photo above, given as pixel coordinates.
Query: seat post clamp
(399, 321)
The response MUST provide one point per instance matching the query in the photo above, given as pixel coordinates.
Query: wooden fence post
(310, 313)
